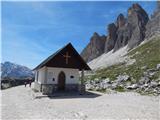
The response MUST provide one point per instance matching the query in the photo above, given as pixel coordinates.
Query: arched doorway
(61, 81)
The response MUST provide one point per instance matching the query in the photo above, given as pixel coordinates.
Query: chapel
(62, 71)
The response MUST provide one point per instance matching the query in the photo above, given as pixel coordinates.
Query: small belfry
(66, 56)
(61, 72)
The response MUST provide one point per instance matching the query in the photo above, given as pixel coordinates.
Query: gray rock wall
(95, 47)
(130, 31)
(153, 25)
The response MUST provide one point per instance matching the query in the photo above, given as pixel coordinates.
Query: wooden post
(82, 89)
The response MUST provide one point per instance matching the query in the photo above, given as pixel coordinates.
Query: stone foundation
(47, 89)
(71, 87)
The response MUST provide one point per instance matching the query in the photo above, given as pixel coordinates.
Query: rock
(128, 83)
(107, 80)
(89, 86)
(122, 78)
(146, 85)
(114, 85)
(111, 38)
(149, 73)
(144, 80)
(95, 47)
(103, 85)
(158, 67)
(153, 84)
(134, 86)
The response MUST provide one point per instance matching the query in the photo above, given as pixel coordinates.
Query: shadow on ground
(70, 95)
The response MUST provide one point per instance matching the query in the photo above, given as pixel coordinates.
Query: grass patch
(120, 89)
(102, 90)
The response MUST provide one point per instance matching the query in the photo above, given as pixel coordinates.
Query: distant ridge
(15, 71)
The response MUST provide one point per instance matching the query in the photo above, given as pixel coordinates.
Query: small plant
(119, 89)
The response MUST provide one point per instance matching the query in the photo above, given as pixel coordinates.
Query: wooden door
(61, 81)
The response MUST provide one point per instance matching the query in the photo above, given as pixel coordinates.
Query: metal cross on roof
(66, 57)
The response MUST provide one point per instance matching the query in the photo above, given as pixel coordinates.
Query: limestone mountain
(95, 48)
(128, 30)
(153, 25)
(12, 70)
(111, 38)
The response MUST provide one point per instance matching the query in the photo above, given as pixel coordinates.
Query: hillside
(145, 68)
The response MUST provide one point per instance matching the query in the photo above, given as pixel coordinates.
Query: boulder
(114, 85)
(153, 84)
(134, 86)
(158, 67)
(123, 78)
(144, 80)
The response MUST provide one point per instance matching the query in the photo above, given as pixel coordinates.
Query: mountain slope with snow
(12, 70)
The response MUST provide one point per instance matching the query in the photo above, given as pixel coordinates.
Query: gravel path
(19, 103)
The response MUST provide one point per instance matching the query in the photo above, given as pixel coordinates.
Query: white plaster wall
(68, 72)
(41, 75)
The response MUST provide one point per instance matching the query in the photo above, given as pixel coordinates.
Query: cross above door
(66, 56)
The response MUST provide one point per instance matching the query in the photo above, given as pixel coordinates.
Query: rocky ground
(124, 82)
(22, 103)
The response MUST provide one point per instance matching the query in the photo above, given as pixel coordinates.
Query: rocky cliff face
(137, 19)
(111, 38)
(153, 25)
(130, 31)
(123, 32)
(94, 48)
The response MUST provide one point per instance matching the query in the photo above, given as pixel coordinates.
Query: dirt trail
(19, 103)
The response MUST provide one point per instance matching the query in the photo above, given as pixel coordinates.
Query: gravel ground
(20, 103)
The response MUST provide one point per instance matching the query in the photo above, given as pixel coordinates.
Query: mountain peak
(127, 31)
(13, 70)
(95, 34)
(121, 20)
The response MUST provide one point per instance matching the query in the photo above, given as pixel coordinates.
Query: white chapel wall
(41, 75)
(53, 72)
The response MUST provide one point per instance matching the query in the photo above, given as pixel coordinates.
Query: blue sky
(31, 31)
